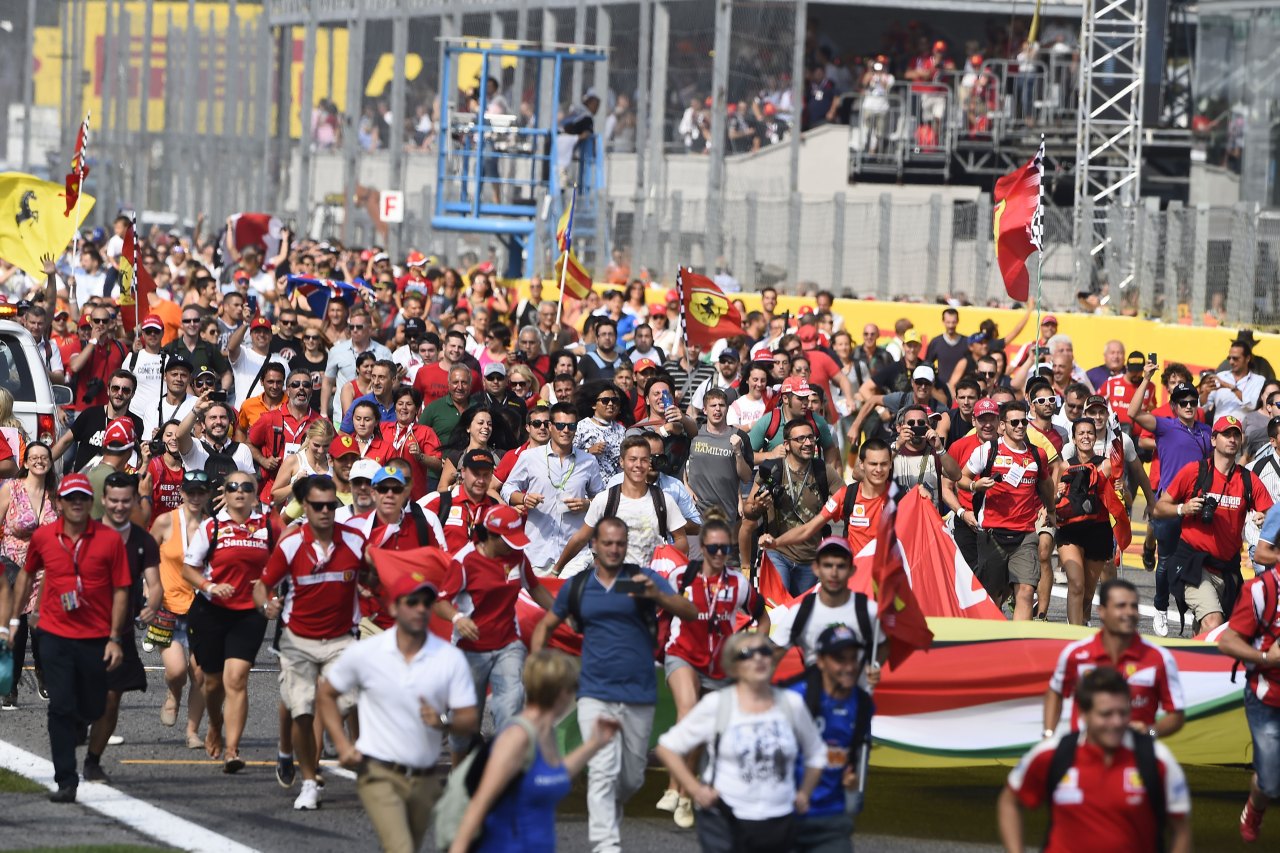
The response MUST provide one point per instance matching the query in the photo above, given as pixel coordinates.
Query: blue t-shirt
(1270, 531)
(617, 649)
(839, 716)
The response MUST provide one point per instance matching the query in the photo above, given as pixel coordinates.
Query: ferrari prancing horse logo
(707, 308)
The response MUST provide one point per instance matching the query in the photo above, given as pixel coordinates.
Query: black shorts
(217, 633)
(1093, 537)
(129, 676)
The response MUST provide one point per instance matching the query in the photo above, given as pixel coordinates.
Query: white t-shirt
(744, 411)
(197, 456)
(147, 369)
(89, 284)
(642, 523)
(781, 619)
(162, 412)
(245, 369)
(756, 759)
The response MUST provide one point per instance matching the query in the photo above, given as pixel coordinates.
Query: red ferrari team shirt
(464, 514)
(1222, 537)
(399, 440)
(92, 568)
(719, 600)
(1248, 620)
(1099, 806)
(864, 515)
(960, 451)
(321, 601)
(238, 559)
(1013, 502)
(1151, 671)
(1119, 393)
(486, 589)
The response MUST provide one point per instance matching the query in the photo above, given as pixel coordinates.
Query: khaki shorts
(1205, 598)
(1021, 564)
(302, 662)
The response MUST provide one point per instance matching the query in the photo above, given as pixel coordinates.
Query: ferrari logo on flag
(708, 308)
(708, 313)
(29, 225)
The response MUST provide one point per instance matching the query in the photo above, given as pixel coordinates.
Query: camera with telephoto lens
(1207, 509)
(92, 389)
(773, 487)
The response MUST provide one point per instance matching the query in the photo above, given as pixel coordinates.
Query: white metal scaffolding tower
(1109, 140)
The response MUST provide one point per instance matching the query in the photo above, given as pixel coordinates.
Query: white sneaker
(309, 797)
(115, 740)
(684, 813)
(1160, 623)
(670, 799)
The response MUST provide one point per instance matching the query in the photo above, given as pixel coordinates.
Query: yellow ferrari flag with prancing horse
(33, 222)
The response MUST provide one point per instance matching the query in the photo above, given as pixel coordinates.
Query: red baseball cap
(416, 259)
(342, 445)
(986, 406)
(1227, 422)
(1048, 320)
(808, 335)
(119, 435)
(152, 321)
(73, 483)
(259, 322)
(797, 386)
(673, 295)
(645, 364)
(506, 522)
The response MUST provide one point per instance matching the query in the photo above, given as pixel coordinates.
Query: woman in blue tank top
(514, 808)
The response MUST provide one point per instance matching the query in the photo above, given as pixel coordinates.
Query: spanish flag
(32, 223)
(576, 279)
(564, 229)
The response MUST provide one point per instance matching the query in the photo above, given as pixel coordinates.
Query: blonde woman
(8, 419)
(312, 458)
(524, 384)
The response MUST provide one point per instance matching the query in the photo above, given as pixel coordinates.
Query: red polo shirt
(395, 440)
(95, 563)
(238, 558)
(1248, 620)
(1013, 502)
(321, 601)
(486, 589)
(1099, 806)
(1151, 671)
(464, 514)
(278, 433)
(1223, 537)
(1119, 393)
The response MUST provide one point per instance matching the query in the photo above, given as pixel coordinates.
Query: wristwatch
(444, 722)
(115, 640)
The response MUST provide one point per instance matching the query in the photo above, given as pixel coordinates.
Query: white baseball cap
(923, 371)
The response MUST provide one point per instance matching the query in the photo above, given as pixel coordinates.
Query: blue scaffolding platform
(504, 173)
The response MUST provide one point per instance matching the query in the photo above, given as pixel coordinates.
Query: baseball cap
(1048, 320)
(84, 320)
(364, 469)
(495, 368)
(342, 445)
(259, 322)
(1183, 390)
(1135, 359)
(807, 334)
(119, 435)
(177, 362)
(381, 256)
(60, 313)
(195, 481)
(477, 458)
(413, 327)
(388, 473)
(922, 371)
(1096, 400)
(835, 543)
(911, 336)
(205, 371)
(645, 364)
(797, 386)
(416, 259)
(75, 483)
(152, 321)
(978, 337)
(729, 354)
(986, 406)
(835, 638)
(506, 522)
(1227, 422)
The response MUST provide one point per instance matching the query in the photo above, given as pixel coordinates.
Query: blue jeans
(796, 577)
(1168, 532)
(1264, 725)
(499, 671)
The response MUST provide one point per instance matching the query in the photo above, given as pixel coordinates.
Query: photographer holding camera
(918, 459)
(1212, 498)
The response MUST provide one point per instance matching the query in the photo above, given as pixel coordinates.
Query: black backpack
(771, 471)
(862, 612)
(659, 506)
(646, 609)
(1081, 500)
(861, 723)
(221, 463)
(1144, 751)
(420, 522)
(1204, 482)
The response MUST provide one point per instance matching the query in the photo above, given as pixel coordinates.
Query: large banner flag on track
(32, 222)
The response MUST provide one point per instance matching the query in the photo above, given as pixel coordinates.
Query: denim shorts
(1264, 725)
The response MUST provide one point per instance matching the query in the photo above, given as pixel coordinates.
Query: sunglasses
(195, 477)
(1190, 404)
(322, 506)
(417, 600)
(1020, 423)
(986, 374)
(754, 652)
(190, 321)
(121, 389)
(541, 424)
(519, 383)
(1045, 401)
(200, 382)
(917, 423)
(98, 321)
(608, 401)
(563, 426)
(296, 385)
(388, 488)
(311, 337)
(357, 328)
(717, 549)
(245, 486)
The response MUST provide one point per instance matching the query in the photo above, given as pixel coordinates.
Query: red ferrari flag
(79, 168)
(1018, 223)
(136, 283)
(707, 313)
(897, 608)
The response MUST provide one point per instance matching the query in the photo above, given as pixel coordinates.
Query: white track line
(139, 815)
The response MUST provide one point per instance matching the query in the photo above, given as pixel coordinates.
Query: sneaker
(683, 815)
(1149, 560)
(1250, 821)
(309, 797)
(286, 771)
(1160, 623)
(1040, 617)
(670, 799)
(148, 646)
(115, 740)
(93, 772)
(9, 702)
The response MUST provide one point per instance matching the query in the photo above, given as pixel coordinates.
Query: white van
(23, 374)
